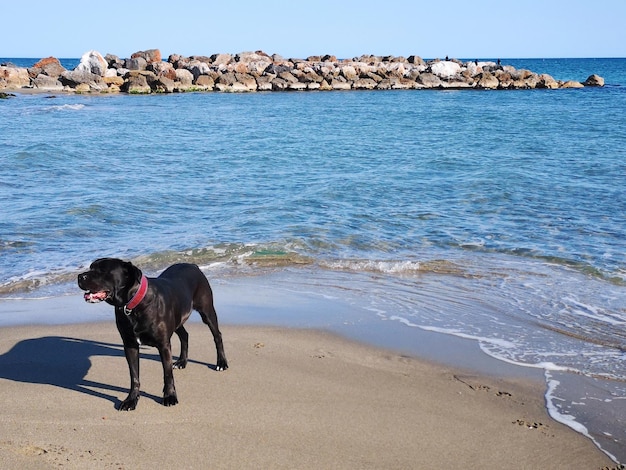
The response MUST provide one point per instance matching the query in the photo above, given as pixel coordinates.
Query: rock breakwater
(146, 72)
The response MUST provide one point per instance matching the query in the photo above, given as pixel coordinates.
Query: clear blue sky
(292, 28)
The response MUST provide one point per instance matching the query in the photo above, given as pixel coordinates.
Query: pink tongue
(95, 296)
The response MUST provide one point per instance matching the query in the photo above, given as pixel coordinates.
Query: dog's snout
(82, 277)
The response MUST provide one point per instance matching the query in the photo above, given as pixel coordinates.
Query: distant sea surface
(497, 216)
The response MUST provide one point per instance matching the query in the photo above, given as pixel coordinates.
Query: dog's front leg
(132, 357)
(169, 391)
(131, 351)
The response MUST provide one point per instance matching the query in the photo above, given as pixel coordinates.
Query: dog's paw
(170, 400)
(180, 364)
(221, 364)
(129, 404)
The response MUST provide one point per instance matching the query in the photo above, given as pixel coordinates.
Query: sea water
(496, 216)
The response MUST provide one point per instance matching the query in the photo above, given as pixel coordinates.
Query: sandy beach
(292, 398)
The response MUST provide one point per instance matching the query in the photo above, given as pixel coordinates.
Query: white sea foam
(566, 419)
(543, 365)
(454, 332)
(388, 267)
(66, 107)
(585, 310)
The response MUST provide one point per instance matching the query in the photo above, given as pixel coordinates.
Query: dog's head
(109, 279)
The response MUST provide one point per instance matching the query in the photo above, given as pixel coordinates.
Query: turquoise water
(494, 216)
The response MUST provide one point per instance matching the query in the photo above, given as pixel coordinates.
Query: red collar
(138, 297)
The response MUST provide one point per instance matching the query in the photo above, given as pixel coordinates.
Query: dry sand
(294, 399)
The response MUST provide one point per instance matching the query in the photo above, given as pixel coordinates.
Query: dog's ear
(123, 277)
(134, 273)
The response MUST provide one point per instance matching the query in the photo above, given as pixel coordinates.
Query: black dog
(149, 310)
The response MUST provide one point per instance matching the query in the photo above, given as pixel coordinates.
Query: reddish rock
(169, 73)
(49, 66)
(47, 61)
(151, 55)
(241, 67)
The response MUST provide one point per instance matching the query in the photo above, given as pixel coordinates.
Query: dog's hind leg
(181, 363)
(209, 317)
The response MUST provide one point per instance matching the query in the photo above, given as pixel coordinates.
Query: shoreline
(444, 349)
(456, 363)
(293, 398)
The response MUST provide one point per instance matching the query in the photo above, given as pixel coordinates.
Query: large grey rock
(45, 82)
(429, 80)
(76, 77)
(136, 63)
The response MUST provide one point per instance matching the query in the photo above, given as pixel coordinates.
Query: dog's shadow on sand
(65, 362)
